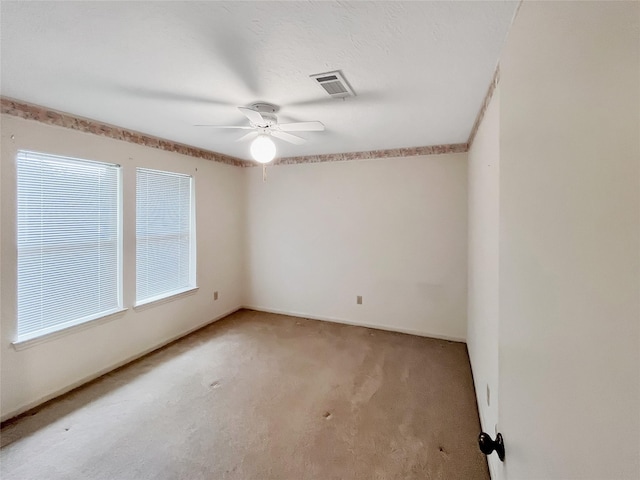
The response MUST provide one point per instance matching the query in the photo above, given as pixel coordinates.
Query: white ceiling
(420, 69)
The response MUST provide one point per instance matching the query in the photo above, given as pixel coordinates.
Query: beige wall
(570, 242)
(482, 317)
(43, 370)
(305, 242)
(392, 230)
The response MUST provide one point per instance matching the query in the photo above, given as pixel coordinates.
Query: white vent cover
(334, 84)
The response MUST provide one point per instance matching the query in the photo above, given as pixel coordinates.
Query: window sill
(29, 341)
(164, 299)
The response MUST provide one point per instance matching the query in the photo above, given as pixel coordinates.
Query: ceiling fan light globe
(263, 150)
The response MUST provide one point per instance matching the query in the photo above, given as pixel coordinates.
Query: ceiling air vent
(334, 84)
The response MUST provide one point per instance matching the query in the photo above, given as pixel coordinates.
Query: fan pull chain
(264, 173)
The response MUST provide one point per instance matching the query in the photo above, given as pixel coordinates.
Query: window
(165, 253)
(69, 242)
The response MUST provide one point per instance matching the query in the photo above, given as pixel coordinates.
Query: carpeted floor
(263, 396)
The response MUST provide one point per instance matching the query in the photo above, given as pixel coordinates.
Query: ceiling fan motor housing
(262, 119)
(267, 110)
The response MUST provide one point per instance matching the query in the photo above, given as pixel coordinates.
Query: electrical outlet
(215, 295)
(359, 299)
(488, 395)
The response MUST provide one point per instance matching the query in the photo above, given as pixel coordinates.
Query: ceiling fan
(264, 124)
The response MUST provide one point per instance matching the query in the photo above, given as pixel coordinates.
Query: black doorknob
(487, 445)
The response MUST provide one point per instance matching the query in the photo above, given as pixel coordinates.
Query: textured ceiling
(420, 69)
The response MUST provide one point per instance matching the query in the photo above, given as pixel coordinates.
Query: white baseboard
(87, 379)
(356, 324)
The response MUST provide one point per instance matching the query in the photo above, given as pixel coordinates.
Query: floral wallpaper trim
(53, 117)
(66, 120)
(389, 153)
(485, 104)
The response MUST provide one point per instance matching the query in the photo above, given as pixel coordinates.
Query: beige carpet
(263, 396)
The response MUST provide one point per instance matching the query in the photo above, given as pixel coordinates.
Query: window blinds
(163, 235)
(68, 242)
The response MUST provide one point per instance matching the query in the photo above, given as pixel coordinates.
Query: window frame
(192, 284)
(27, 339)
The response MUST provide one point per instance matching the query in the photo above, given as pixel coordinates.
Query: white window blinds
(68, 242)
(164, 235)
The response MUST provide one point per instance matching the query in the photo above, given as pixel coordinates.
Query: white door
(569, 277)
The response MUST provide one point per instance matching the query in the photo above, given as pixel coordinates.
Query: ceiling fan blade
(301, 127)
(248, 136)
(241, 127)
(252, 115)
(237, 60)
(287, 137)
